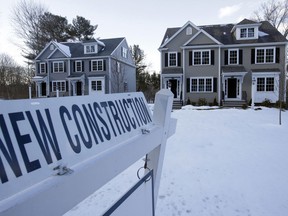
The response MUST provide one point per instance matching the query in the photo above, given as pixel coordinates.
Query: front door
(173, 87)
(79, 88)
(43, 89)
(232, 88)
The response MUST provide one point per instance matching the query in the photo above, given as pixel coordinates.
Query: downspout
(161, 81)
(183, 73)
(219, 76)
(48, 80)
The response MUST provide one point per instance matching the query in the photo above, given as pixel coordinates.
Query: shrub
(202, 102)
(188, 102)
(266, 103)
(215, 103)
(283, 104)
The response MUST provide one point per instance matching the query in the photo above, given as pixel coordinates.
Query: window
(58, 67)
(172, 59)
(233, 56)
(201, 57)
(189, 30)
(265, 84)
(124, 52)
(42, 67)
(265, 55)
(90, 49)
(96, 85)
(97, 65)
(78, 66)
(247, 33)
(60, 85)
(201, 85)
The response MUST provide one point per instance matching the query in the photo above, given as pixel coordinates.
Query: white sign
(57, 149)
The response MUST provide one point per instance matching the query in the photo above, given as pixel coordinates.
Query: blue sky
(143, 23)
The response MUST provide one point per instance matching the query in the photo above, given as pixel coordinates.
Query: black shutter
(38, 68)
(83, 67)
(215, 84)
(188, 84)
(179, 59)
(190, 58)
(74, 65)
(50, 86)
(46, 67)
(277, 55)
(104, 65)
(212, 57)
(52, 67)
(89, 66)
(67, 86)
(240, 56)
(252, 56)
(166, 60)
(226, 57)
(65, 67)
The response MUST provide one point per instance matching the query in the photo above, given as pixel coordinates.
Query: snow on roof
(100, 43)
(63, 48)
(262, 34)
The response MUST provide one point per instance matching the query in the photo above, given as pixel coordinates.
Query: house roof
(224, 34)
(77, 50)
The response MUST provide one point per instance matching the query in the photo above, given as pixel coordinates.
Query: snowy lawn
(219, 162)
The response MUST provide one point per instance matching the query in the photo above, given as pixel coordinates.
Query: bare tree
(26, 16)
(276, 12)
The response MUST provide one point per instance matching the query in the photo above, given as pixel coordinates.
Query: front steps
(238, 104)
(177, 104)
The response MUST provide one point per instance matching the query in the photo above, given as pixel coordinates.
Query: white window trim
(97, 65)
(41, 64)
(124, 52)
(58, 62)
(176, 59)
(189, 30)
(229, 50)
(238, 32)
(205, 78)
(102, 79)
(76, 66)
(265, 48)
(58, 81)
(201, 51)
(90, 45)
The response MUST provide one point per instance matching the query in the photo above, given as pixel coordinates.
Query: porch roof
(232, 69)
(265, 70)
(39, 78)
(172, 71)
(76, 77)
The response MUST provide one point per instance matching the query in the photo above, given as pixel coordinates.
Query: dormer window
(247, 33)
(189, 30)
(90, 49)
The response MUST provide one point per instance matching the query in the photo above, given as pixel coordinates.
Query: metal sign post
(55, 152)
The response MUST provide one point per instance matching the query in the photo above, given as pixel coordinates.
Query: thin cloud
(228, 10)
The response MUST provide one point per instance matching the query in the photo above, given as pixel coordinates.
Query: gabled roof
(76, 49)
(223, 33)
(173, 32)
(202, 32)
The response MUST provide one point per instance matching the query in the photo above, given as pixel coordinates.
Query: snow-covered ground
(229, 162)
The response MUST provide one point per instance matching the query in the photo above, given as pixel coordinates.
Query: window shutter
(38, 68)
(74, 65)
(190, 58)
(65, 66)
(240, 56)
(188, 84)
(52, 69)
(277, 55)
(212, 57)
(215, 84)
(67, 86)
(252, 56)
(46, 68)
(50, 87)
(104, 65)
(179, 59)
(83, 68)
(90, 66)
(166, 60)
(226, 57)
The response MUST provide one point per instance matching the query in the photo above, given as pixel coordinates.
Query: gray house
(231, 63)
(85, 68)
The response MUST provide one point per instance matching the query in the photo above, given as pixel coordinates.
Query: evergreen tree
(81, 28)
